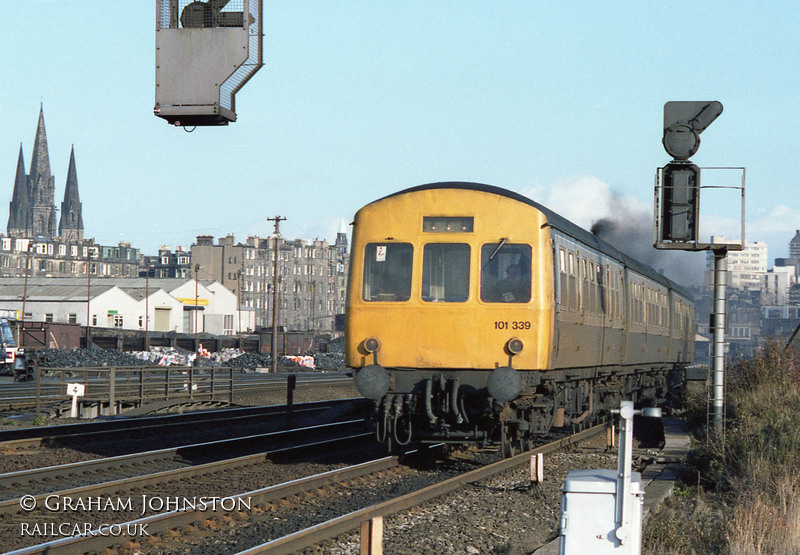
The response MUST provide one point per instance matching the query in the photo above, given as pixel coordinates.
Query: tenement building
(38, 242)
(311, 277)
(167, 264)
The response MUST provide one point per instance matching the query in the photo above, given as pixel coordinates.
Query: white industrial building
(746, 268)
(128, 303)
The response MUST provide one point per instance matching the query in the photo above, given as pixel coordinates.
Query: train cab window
(387, 272)
(505, 273)
(445, 272)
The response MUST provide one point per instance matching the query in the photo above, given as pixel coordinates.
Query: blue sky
(562, 101)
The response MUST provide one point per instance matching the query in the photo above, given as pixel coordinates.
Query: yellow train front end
(450, 297)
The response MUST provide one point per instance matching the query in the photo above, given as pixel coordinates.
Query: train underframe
(455, 407)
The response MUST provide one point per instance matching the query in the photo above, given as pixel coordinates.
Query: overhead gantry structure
(205, 52)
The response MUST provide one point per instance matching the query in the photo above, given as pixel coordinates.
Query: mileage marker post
(75, 390)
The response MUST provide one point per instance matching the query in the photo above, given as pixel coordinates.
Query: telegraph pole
(276, 236)
(90, 253)
(20, 331)
(147, 307)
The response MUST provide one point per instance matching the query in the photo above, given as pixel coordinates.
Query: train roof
(557, 222)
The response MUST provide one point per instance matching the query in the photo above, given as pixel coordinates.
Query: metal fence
(109, 388)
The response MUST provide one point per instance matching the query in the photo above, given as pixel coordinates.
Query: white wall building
(746, 268)
(127, 303)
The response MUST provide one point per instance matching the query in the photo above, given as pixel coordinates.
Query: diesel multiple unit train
(475, 314)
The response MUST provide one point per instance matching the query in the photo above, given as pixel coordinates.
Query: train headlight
(505, 384)
(372, 381)
(514, 346)
(372, 344)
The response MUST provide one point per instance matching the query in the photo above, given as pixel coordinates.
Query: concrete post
(719, 317)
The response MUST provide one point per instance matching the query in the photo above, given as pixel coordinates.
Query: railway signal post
(677, 216)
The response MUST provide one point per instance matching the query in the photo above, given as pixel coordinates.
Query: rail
(34, 437)
(304, 539)
(339, 432)
(310, 537)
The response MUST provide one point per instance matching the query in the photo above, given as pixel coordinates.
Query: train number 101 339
(499, 325)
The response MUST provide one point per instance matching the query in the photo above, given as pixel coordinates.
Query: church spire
(41, 187)
(40, 163)
(71, 224)
(18, 207)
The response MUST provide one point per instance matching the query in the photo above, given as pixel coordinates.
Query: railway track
(316, 535)
(153, 426)
(52, 391)
(296, 515)
(37, 500)
(134, 470)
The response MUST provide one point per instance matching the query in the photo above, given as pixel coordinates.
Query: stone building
(63, 258)
(312, 277)
(167, 264)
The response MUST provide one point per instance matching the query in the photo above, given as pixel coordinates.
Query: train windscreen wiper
(497, 250)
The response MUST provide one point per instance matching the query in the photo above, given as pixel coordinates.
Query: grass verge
(740, 492)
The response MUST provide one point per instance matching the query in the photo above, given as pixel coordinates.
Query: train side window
(573, 288)
(624, 305)
(387, 272)
(642, 310)
(585, 302)
(505, 273)
(445, 272)
(562, 260)
(639, 316)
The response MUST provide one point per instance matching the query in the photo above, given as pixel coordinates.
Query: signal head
(683, 123)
